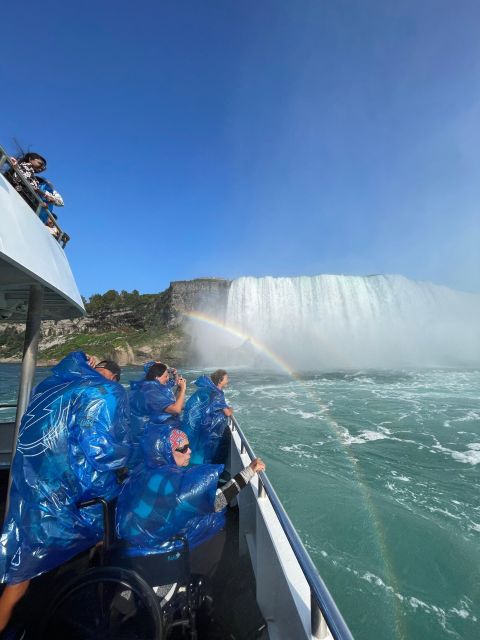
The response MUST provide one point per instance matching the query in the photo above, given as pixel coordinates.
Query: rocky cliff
(128, 327)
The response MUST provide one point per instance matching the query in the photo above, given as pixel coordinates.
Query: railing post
(29, 362)
(261, 489)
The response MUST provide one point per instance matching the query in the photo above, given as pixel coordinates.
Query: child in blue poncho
(165, 496)
(72, 440)
(205, 419)
(152, 399)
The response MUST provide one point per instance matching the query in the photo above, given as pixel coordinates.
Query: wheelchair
(127, 595)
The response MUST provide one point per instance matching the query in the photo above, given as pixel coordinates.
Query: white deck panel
(29, 254)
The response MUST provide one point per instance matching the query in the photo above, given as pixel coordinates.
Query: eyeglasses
(183, 449)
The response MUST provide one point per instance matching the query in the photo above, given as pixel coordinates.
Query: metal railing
(322, 606)
(63, 237)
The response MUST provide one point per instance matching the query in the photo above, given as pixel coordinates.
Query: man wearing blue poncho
(152, 399)
(205, 419)
(72, 440)
(166, 497)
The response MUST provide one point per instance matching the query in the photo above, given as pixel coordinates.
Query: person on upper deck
(73, 439)
(28, 166)
(167, 497)
(152, 399)
(205, 419)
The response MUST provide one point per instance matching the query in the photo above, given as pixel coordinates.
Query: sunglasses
(183, 449)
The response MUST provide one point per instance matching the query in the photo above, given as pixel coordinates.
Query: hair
(156, 370)
(28, 157)
(111, 365)
(217, 376)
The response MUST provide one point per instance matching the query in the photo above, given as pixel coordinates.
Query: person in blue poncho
(205, 419)
(166, 497)
(73, 439)
(152, 399)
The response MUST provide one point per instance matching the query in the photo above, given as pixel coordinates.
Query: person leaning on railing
(165, 497)
(28, 166)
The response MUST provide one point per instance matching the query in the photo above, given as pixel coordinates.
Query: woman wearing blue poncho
(166, 497)
(72, 440)
(152, 399)
(205, 419)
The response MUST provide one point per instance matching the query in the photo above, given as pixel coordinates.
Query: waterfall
(344, 322)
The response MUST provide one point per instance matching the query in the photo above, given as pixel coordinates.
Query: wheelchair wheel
(108, 603)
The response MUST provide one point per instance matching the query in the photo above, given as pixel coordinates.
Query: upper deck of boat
(30, 255)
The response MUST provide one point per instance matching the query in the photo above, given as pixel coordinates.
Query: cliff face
(184, 296)
(152, 328)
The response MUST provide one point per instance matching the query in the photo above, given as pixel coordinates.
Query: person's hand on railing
(257, 465)
(49, 197)
(13, 161)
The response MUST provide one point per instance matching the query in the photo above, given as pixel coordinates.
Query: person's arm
(228, 411)
(178, 405)
(54, 197)
(237, 483)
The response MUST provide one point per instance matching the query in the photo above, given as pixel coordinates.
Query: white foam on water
(305, 415)
(299, 450)
(472, 456)
(444, 511)
(461, 611)
(468, 417)
(363, 437)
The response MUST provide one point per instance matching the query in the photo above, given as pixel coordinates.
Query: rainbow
(234, 331)
(260, 346)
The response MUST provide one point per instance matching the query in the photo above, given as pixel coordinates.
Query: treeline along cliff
(127, 326)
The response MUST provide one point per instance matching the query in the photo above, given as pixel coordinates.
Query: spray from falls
(341, 322)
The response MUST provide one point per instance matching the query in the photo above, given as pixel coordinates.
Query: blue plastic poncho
(206, 424)
(148, 400)
(72, 439)
(160, 500)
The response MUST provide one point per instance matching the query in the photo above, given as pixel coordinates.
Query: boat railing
(322, 606)
(63, 237)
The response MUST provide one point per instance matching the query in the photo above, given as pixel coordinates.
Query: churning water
(380, 473)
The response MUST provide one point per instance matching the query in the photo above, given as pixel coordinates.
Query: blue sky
(195, 138)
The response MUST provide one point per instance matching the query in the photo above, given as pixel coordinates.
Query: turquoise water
(379, 472)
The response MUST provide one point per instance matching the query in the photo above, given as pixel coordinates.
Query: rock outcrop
(150, 329)
(184, 296)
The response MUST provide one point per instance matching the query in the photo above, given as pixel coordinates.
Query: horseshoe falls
(335, 322)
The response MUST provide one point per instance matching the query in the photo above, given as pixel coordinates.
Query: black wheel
(106, 603)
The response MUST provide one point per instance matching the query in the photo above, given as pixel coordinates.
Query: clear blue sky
(224, 138)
